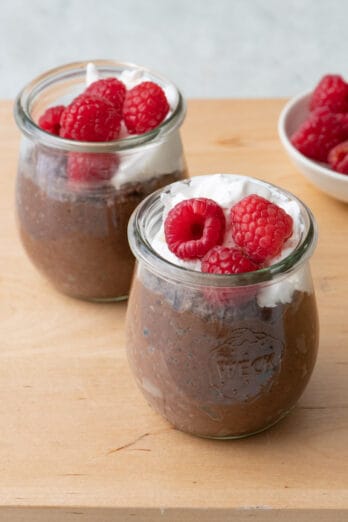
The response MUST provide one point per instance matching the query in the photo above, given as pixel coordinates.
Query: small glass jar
(75, 233)
(221, 356)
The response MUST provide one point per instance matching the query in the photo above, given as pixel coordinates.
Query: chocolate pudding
(77, 235)
(221, 343)
(219, 370)
(97, 138)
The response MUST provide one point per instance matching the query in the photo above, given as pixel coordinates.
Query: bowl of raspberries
(313, 128)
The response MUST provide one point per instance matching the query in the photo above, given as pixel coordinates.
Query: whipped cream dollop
(153, 159)
(92, 74)
(227, 190)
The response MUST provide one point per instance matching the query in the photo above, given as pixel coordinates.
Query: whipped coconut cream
(92, 74)
(227, 190)
(151, 160)
(154, 160)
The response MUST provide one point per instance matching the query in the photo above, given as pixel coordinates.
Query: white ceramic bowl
(327, 180)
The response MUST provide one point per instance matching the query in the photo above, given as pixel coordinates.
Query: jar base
(105, 299)
(115, 299)
(243, 435)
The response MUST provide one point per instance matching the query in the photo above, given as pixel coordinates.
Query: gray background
(210, 48)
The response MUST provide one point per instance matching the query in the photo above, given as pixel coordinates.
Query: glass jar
(221, 356)
(75, 232)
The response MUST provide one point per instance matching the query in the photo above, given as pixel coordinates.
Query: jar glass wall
(220, 356)
(75, 232)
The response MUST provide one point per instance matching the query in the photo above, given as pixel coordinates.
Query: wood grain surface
(78, 441)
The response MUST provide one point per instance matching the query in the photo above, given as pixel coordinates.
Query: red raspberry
(331, 92)
(319, 133)
(90, 118)
(260, 227)
(91, 167)
(110, 89)
(145, 107)
(50, 119)
(338, 158)
(193, 227)
(224, 260)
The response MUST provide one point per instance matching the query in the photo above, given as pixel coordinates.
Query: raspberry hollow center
(197, 230)
(193, 227)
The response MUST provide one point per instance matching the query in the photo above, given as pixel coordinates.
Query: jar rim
(29, 128)
(144, 252)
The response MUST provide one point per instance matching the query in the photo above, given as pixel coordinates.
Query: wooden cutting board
(78, 441)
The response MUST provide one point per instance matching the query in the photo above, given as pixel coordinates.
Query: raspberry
(50, 119)
(110, 89)
(338, 158)
(90, 118)
(260, 227)
(193, 227)
(319, 133)
(224, 260)
(91, 167)
(144, 108)
(331, 92)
